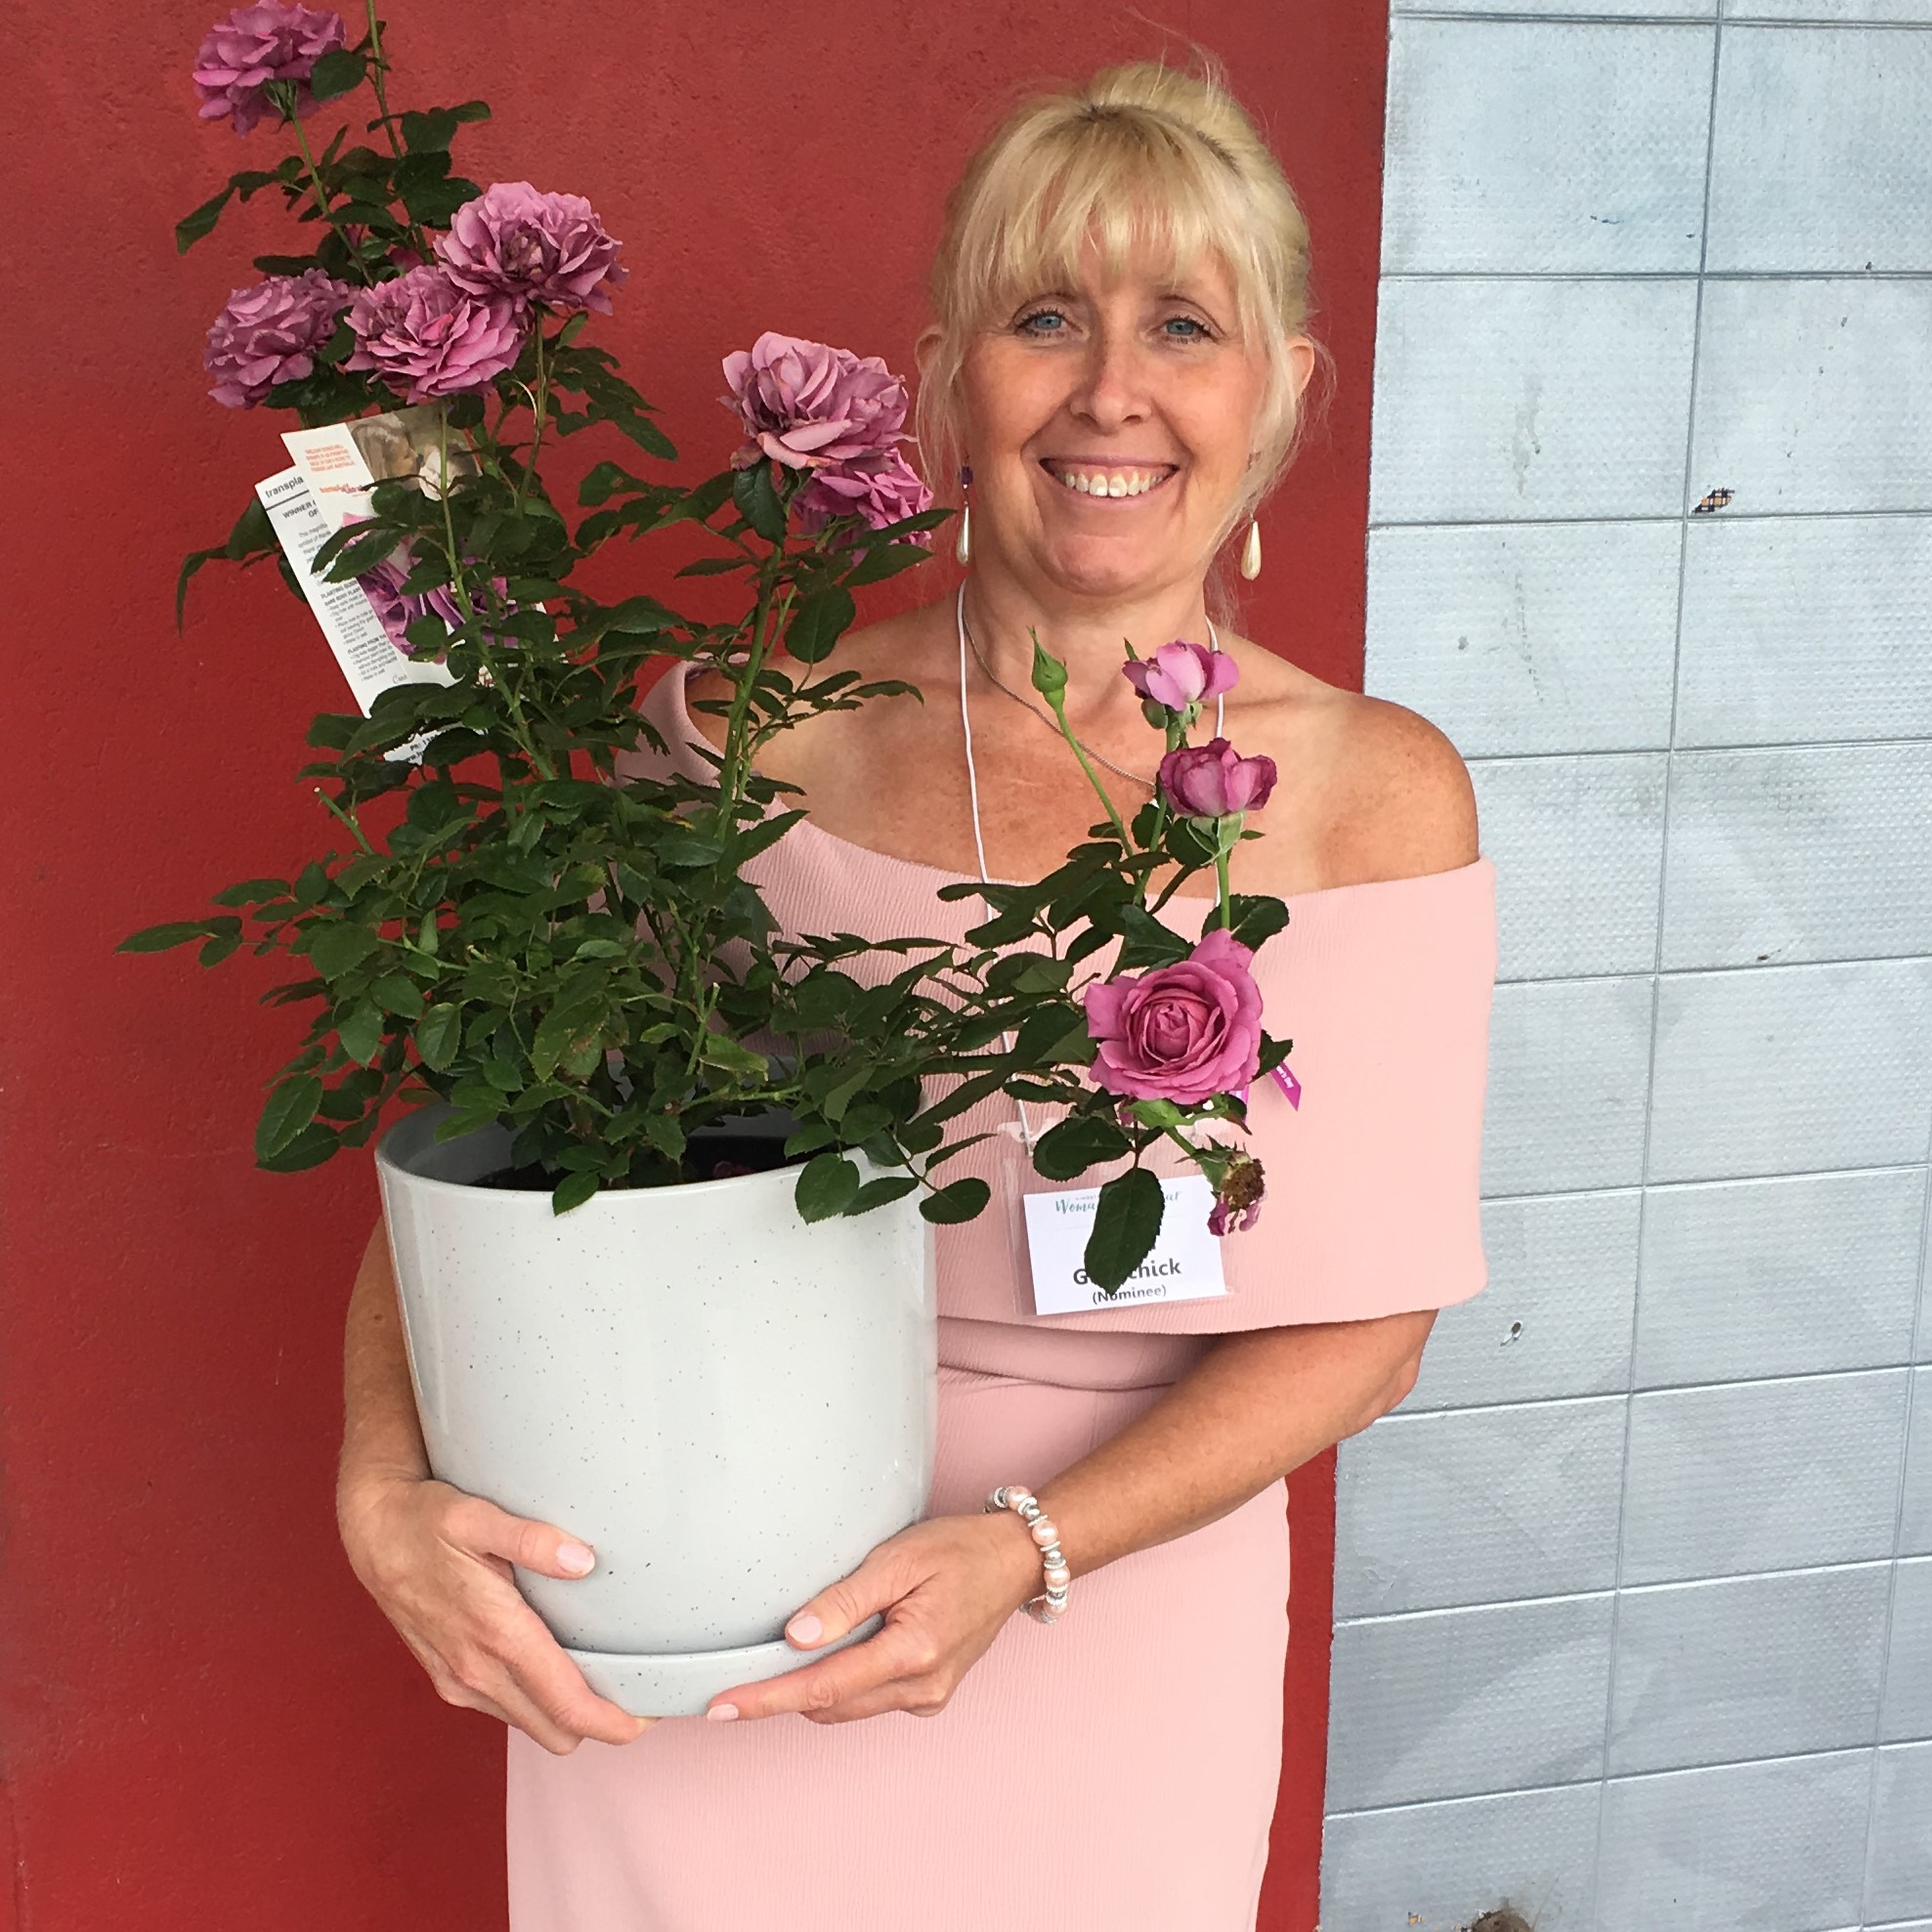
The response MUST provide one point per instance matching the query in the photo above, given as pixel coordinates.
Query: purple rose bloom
(424, 332)
(1207, 781)
(808, 405)
(1181, 674)
(550, 248)
(269, 333)
(255, 45)
(1182, 1032)
(880, 492)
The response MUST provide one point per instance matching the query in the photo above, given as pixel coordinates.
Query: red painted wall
(205, 1721)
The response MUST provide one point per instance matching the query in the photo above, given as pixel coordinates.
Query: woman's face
(1110, 426)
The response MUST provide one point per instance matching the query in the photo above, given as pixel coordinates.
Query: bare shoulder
(1404, 803)
(1383, 791)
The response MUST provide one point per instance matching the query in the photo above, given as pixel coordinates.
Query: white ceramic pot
(730, 1404)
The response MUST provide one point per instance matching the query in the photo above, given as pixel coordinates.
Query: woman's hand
(947, 1586)
(437, 1561)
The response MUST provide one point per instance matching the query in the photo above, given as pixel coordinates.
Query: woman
(1118, 362)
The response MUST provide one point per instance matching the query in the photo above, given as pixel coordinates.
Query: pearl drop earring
(1251, 551)
(962, 548)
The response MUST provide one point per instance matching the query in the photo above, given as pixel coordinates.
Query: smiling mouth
(1108, 480)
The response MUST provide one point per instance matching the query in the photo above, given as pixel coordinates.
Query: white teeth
(1111, 482)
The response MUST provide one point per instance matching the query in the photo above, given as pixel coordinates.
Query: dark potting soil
(709, 1158)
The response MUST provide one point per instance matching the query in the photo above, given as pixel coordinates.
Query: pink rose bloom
(240, 56)
(1207, 781)
(425, 332)
(269, 333)
(1180, 674)
(880, 493)
(1182, 1032)
(808, 405)
(550, 248)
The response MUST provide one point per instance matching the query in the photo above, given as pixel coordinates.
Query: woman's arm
(1259, 1404)
(438, 1561)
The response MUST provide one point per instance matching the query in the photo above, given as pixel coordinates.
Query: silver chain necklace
(1046, 717)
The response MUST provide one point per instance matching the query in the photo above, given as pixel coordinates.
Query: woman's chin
(1109, 569)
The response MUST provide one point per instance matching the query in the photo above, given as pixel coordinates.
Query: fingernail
(577, 1558)
(805, 1628)
(723, 1713)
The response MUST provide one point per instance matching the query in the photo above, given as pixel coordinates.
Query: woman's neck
(1085, 635)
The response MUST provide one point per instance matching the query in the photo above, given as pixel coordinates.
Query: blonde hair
(1144, 152)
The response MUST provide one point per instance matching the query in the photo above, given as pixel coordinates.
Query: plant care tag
(1184, 1264)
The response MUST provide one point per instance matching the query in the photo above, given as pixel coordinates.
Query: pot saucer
(681, 1684)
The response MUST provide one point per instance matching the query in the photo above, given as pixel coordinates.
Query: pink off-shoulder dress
(1116, 1772)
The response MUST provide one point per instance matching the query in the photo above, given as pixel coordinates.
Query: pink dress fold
(1161, 1690)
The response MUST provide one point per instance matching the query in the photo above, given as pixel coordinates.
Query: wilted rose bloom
(882, 492)
(1237, 1204)
(809, 405)
(1207, 781)
(425, 331)
(1180, 674)
(548, 248)
(269, 333)
(255, 45)
(1182, 1032)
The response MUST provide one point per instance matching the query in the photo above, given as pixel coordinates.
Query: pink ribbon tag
(1288, 1083)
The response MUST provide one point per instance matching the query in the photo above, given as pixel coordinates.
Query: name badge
(1184, 1264)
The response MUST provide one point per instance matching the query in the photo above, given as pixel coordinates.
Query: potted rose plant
(661, 1209)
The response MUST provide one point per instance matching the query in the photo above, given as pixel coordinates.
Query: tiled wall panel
(1542, 636)
(1762, 1476)
(1472, 1506)
(1578, 846)
(1745, 1846)
(1750, 1668)
(1796, 631)
(1451, 1703)
(1554, 1318)
(1783, 1276)
(1633, 1594)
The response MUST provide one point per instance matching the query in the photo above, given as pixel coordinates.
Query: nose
(1111, 391)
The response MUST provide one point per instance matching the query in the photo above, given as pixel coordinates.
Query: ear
(926, 347)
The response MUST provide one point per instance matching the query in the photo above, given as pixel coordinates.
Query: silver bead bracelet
(1051, 1604)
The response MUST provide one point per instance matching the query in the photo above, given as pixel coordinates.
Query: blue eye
(1051, 317)
(1189, 324)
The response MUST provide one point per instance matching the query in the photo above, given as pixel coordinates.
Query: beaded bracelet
(1051, 1604)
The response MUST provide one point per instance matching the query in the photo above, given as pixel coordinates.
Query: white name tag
(1184, 1266)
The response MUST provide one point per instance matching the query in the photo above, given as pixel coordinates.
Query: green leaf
(883, 560)
(158, 938)
(360, 1033)
(758, 502)
(959, 1202)
(1255, 919)
(432, 129)
(219, 948)
(819, 623)
(1078, 1143)
(1127, 1222)
(340, 946)
(1146, 942)
(397, 992)
(877, 1194)
(309, 1149)
(572, 1191)
(192, 228)
(338, 73)
(252, 891)
(828, 1184)
(289, 1108)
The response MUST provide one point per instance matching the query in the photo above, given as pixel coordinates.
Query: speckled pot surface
(731, 1405)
